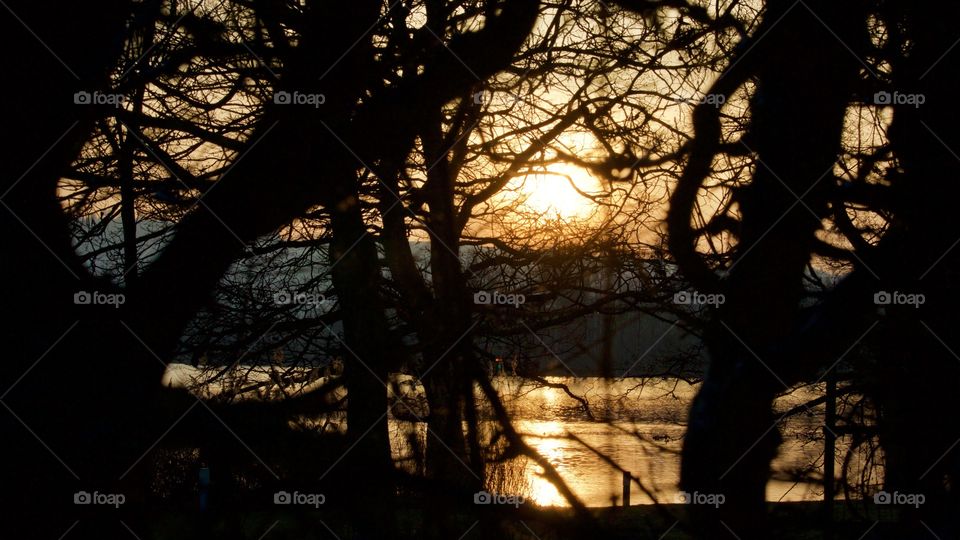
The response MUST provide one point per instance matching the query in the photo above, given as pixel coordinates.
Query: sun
(561, 192)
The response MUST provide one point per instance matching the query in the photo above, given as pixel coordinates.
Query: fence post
(626, 488)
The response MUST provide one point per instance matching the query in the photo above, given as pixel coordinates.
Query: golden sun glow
(558, 193)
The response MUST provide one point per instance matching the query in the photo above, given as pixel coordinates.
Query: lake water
(637, 423)
(644, 437)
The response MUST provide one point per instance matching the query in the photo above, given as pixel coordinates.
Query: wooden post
(829, 454)
(626, 488)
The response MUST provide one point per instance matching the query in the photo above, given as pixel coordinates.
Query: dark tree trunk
(804, 83)
(356, 278)
(457, 472)
(49, 413)
(915, 384)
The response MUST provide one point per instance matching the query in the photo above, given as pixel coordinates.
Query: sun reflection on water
(552, 449)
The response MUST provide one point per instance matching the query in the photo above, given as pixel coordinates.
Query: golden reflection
(551, 396)
(542, 491)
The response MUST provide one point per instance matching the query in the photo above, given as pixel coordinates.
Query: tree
(252, 199)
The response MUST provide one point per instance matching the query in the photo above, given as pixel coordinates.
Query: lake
(637, 422)
(643, 434)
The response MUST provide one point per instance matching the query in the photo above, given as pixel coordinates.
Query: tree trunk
(804, 82)
(916, 380)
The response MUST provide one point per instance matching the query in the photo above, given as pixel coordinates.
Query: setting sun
(558, 193)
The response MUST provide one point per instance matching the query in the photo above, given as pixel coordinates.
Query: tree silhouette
(174, 169)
